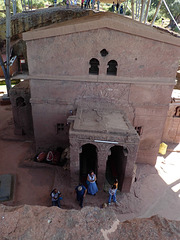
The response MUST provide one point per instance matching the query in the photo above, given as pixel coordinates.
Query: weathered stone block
(6, 187)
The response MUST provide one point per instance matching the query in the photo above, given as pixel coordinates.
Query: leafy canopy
(174, 6)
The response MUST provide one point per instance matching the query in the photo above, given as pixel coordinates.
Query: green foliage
(176, 30)
(110, 9)
(154, 3)
(35, 4)
(39, 4)
(174, 6)
(151, 15)
(2, 15)
(128, 12)
(18, 6)
(2, 5)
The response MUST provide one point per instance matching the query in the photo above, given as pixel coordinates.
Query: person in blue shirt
(80, 191)
(121, 9)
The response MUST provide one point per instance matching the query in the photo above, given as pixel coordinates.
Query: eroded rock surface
(26, 21)
(35, 222)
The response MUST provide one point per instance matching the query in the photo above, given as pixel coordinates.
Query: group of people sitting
(81, 191)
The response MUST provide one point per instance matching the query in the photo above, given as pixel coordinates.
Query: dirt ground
(156, 191)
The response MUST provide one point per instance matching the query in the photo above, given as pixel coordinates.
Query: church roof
(102, 123)
(100, 21)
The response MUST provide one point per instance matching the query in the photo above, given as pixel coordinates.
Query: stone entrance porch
(102, 140)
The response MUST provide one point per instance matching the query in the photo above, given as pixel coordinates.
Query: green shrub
(128, 12)
(2, 15)
(110, 9)
(176, 29)
(151, 15)
(37, 3)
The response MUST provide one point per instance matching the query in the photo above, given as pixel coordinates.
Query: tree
(174, 6)
(154, 3)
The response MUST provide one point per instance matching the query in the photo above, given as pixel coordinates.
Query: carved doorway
(88, 161)
(116, 165)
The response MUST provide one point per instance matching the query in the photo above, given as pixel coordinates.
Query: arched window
(112, 69)
(20, 102)
(94, 69)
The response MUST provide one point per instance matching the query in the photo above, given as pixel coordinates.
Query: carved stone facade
(104, 128)
(22, 112)
(101, 60)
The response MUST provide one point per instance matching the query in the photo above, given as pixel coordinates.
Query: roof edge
(110, 21)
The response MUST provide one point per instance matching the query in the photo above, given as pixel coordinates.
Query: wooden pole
(156, 13)
(132, 8)
(147, 11)
(142, 9)
(8, 33)
(139, 6)
(136, 8)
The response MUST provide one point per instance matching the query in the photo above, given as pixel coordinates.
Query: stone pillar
(102, 160)
(131, 159)
(74, 162)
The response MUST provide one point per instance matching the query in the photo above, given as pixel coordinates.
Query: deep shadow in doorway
(88, 161)
(116, 165)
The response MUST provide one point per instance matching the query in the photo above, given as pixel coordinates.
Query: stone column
(131, 159)
(102, 159)
(74, 161)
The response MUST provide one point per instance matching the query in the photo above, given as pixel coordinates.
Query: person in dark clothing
(121, 9)
(80, 191)
(117, 6)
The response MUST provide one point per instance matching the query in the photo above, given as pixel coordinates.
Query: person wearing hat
(80, 191)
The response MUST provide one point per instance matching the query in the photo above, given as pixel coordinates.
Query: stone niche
(21, 108)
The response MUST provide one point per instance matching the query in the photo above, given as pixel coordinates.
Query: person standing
(92, 3)
(80, 191)
(82, 3)
(91, 182)
(56, 197)
(121, 9)
(112, 194)
(117, 6)
(98, 4)
(113, 6)
(67, 4)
